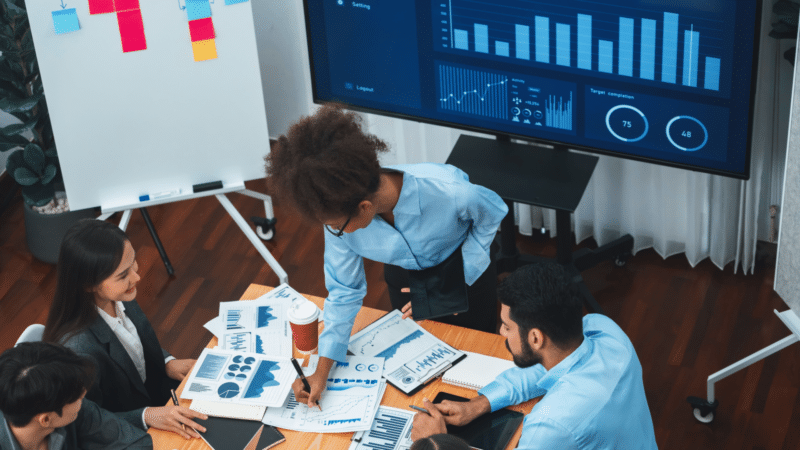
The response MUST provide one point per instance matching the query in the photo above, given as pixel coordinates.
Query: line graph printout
(259, 326)
(391, 430)
(244, 378)
(413, 356)
(354, 392)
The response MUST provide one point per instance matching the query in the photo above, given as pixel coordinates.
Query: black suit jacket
(94, 428)
(118, 386)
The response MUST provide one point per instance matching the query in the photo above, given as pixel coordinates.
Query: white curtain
(671, 210)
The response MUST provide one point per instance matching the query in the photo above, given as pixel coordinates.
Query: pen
(158, 195)
(422, 410)
(303, 379)
(175, 402)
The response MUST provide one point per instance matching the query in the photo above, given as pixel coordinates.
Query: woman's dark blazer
(118, 386)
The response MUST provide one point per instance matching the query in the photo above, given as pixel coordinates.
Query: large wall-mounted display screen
(664, 81)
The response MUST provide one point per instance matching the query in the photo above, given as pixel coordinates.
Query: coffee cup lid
(302, 312)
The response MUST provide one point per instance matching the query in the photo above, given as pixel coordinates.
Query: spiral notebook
(229, 410)
(476, 371)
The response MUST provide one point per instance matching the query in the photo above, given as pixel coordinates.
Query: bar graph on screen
(638, 44)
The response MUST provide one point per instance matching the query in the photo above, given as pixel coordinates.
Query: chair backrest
(33, 333)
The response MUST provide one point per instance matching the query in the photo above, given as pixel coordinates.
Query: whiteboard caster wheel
(621, 260)
(702, 409)
(265, 228)
(701, 418)
(265, 236)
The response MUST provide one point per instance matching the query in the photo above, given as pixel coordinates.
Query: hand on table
(462, 413)
(177, 419)
(177, 369)
(425, 425)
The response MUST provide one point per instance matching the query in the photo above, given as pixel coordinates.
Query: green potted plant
(33, 161)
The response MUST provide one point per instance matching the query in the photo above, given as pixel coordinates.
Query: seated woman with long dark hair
(94, 313)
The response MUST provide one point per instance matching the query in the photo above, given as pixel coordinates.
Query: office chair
(33, 333)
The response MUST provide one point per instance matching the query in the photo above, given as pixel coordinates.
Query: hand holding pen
(306, 386)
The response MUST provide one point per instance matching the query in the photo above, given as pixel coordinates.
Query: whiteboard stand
(704, 409)
(232, 211)
(123, 224)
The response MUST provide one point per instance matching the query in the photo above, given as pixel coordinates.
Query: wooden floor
(685, 323)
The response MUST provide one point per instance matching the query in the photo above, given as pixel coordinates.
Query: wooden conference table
(460, 338)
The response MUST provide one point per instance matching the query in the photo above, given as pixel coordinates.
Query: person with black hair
(427, 223)
(42, 389)
(585, 368)
(95, 313)
(440, 442)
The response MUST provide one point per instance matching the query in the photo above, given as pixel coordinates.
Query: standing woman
(426, 222)
(94, 313)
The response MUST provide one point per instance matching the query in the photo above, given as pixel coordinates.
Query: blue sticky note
(233, 2)
(66, 21)
(198, 9)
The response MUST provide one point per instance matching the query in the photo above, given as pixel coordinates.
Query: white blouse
(126, 332)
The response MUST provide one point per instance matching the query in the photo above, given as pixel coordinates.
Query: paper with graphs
(354, 392)
(244, 378)
(259, 326)
(391, 430)
(413, 355)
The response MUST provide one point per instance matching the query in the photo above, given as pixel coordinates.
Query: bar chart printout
(391, 430)
(625, 46)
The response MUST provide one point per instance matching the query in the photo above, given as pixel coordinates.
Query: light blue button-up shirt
(593, 399)
(438, 211)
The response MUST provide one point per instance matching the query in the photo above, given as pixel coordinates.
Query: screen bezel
(554, 143)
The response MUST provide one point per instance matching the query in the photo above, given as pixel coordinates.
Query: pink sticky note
(125, 5)
(131, 30)
(101, 6)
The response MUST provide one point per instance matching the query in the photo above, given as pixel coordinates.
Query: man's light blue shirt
(593, 399)
(438, 211)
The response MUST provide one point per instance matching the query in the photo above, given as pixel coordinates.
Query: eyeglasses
(340, 232)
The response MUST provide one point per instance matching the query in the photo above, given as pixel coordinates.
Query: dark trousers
(482, 297)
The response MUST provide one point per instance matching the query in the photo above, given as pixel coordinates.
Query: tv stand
(552, 178)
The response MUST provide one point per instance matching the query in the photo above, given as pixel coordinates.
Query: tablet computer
(488, 432)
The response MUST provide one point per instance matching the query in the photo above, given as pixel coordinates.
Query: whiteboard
(149, 121)
(787, 281)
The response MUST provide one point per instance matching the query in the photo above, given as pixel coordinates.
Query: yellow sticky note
(204, 50)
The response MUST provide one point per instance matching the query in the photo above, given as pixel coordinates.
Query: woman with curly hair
(427, 223)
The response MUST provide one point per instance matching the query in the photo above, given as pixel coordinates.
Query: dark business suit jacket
(94, 428)
(118, 386)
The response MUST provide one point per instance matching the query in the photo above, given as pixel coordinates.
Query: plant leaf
(34, 158)
(25, 176)
(6, 146)
(8, 45)
(14, 161)
(18, 105)
(10, 142)
(17, 128)
(49, 173)
(27, 42)
(38, 194)
(14, 10)
(6, 73)
(11, 88)
(51, 152)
